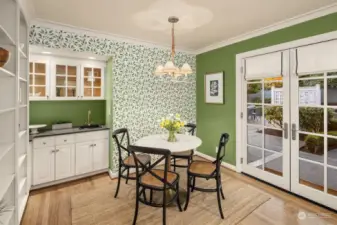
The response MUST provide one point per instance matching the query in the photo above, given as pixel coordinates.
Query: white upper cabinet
(60, 78)
(39, 79)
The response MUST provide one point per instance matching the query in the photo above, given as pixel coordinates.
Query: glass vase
(172, 137)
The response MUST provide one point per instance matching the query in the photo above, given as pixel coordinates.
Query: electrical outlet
(216, 149)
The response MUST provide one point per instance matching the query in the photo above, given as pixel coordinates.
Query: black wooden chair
(122, 139)
(188, 155)
(208, 170)
(154, 180)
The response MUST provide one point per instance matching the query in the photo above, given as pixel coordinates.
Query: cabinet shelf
(7, 148)
(22, 184)
(22, 79)
(23, 106)
(21, 160)
(5, 184)
(4, 72)
(22, 54)
(21, 133)
(5, 38)
(6, 110)
(7, 216)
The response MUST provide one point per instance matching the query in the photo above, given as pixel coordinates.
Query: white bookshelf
(14, 110)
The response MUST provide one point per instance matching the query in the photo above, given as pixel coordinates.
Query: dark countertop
(74, 130)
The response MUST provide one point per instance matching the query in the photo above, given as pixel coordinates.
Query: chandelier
(169, 69)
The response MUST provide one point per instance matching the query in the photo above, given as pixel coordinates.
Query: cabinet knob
(65, 140)
(44, 143)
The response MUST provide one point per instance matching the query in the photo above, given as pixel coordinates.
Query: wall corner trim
(224, 164)
(274, 27)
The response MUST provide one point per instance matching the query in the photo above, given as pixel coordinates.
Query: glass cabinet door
(38, 79)
(92, 82)
(66, 81)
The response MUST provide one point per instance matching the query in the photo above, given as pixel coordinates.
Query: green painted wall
(48, 112)
(215, 119)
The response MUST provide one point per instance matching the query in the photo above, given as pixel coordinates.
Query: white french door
(266, 118)
(290, 121)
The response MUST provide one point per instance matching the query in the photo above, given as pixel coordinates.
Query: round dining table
(184, 143)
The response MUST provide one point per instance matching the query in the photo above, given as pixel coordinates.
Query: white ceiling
(229, 18)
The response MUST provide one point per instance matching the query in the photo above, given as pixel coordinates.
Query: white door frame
(239, 84)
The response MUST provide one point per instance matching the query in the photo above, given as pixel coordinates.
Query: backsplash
(49, 112)
(139, 99)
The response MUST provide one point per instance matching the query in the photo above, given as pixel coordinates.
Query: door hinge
(241, 115)
(241, 160)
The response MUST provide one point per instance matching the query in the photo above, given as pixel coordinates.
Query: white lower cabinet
(100, 154)
(53, 160)
(64, 161)
(43, 165)
(83, 158)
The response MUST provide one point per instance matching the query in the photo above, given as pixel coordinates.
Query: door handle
(285, 130)
(293, 131)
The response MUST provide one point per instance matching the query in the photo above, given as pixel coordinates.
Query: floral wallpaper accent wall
(140, 99)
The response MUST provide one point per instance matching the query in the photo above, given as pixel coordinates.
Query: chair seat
(150, 180)
(202, 167)
(130, 161)
(185, 153)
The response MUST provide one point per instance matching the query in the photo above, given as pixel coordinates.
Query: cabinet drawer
(43, 142)
(95, 135)
(64, 139)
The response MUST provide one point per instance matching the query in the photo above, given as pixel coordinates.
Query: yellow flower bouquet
(173, 124)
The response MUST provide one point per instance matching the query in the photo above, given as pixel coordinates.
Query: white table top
(184, 142)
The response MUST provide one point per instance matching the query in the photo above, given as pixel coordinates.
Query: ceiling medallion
(169, 69)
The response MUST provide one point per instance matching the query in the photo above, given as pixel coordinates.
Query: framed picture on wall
(214, 88)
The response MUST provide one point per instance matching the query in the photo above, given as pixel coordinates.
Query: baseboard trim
(224, 164)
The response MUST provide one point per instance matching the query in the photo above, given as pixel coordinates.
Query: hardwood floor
(52, 206)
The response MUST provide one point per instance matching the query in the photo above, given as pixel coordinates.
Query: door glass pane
(273, 139)
(332, 121)
(332, 152)
(60, 69)
(40, 79)
(60, 92)
(40, 68)
(97, 82)
(332, 181)
(273, 116)
(254, 114)
(273, 91)
(31, 91)
(311, 92)
(311, 175)
(87, 82)
(71, 92)
(254, 136)
(273, 163)
(88, 92)
(311, 119)
(97, 72)
(332, 91)
(40, 91)
(254, 157)
(97, 92)
(87, 71)
(60, 81)
(72, 70)
(31, 79)
(71, 81)
(254, 93)
(311, 147)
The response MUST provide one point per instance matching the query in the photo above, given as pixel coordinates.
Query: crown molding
(274, 27)
(101, 34)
